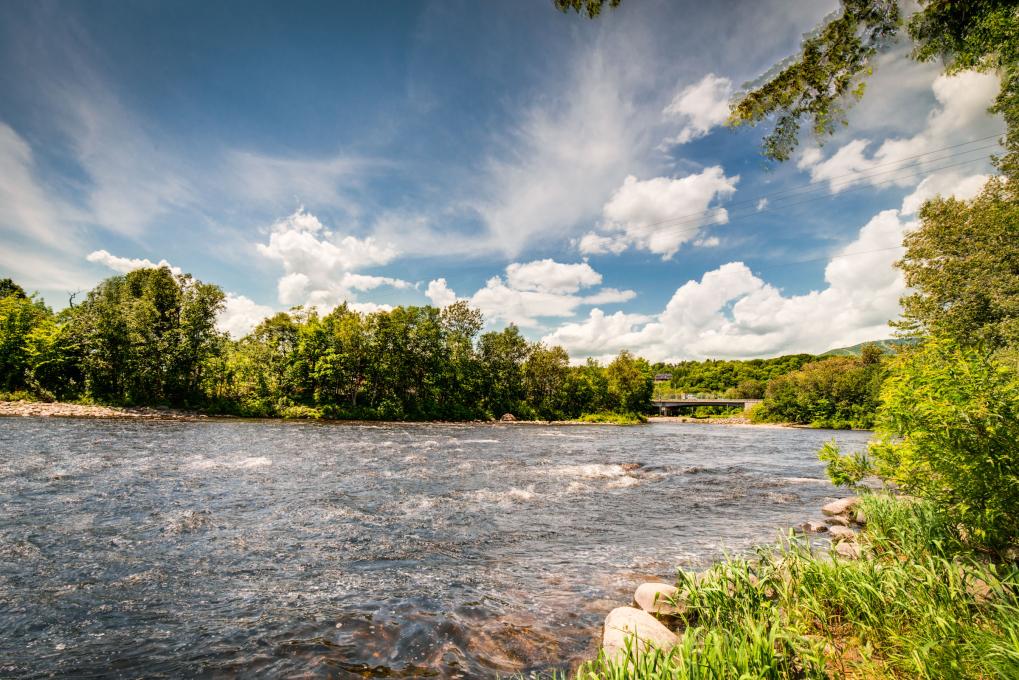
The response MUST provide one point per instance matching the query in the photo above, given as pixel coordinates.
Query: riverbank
(40, 409)
(899, 594)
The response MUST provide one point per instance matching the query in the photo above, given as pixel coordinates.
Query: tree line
(149, 337)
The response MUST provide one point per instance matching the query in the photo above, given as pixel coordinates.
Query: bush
(614, 418)
(948, 432)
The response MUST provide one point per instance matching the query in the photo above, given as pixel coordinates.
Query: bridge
(669, 407)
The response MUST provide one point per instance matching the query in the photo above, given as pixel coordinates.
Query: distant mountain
(887, 346)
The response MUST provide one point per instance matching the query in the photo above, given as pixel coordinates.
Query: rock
(658, 598)
(838, 520)
(841, 506)
(813, 527)
(840, 533)
(848, 550)
(644, 630)
(859, 517)
(508, 418)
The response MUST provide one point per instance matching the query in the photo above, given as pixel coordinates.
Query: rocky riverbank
(39, 409)
(655, 617)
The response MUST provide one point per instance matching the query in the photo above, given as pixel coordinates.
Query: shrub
(948, 432)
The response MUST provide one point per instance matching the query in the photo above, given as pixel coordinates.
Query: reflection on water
(269, 549)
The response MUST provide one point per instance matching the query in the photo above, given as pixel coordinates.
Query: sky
(573, 177)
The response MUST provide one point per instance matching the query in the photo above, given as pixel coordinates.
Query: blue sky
(574, 177)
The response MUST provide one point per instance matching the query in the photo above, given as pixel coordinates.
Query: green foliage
(838, 392)
(919, 604)
(630, 383)
(828, 74)
(816, 84)
(591, 8)
(963, 266)
(844, 470)
(145, 337)
(729, 378)
(613, 418)
(949, 427)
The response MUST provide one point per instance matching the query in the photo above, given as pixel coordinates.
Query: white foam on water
(589, 471)
(203, 463)
(623, 482)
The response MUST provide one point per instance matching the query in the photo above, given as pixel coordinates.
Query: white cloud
(554, 170)
(730, 312)
(963, 187)
(439, 293)
(700, 107)
(762, 204)
(550, 276)
(661, 214)
(533, 290)
(319, 266)
(125, 264)
(596, 244)
(959, 117)
(240, 315)
(26, 208)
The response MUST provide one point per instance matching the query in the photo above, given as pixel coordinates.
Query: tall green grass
(919, 604)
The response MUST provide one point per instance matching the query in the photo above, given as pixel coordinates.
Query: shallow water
(267, 549)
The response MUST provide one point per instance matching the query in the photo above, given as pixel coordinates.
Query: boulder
(645, 631)
(813, 527)
(841, 506)
(847, 550)
(859, 517)
(840, 520)
(839, 534)
(658, 598)
(508, 418)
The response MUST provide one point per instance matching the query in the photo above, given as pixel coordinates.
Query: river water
(267, 549)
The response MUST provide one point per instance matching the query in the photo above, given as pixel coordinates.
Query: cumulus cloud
(959, 117)
(319, 266)
(240, 315)
(127, 264)
(963, 187)
(661, 214)
(533, 290)
(700, 107)
(550, 276)
(439, 293)
(730, 312)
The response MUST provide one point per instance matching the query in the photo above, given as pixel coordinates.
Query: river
(267, 549)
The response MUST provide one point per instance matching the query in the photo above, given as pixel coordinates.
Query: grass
(613, 418)
(919, 604)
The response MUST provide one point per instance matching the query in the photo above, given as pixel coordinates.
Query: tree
(828, 74)
(20, 316)
(630, 383)
(546, 380)
(591, 8)
(502, 356)
(962, 265)
(948, 432)
(10, 289)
